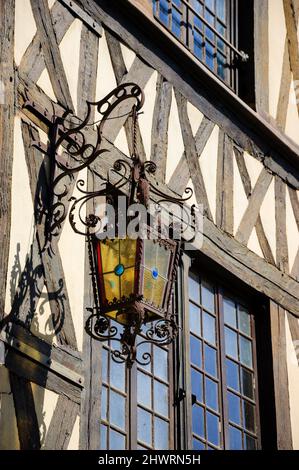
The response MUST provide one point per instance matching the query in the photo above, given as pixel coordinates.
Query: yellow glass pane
(111, 284)
(127, 282)
(120, 317)
(109, 255)
(153, 288)
(128, 252)
(156, 257)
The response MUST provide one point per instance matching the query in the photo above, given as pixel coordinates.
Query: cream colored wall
(74, 440)
(293, 377)
(45, 402)
(22, 220)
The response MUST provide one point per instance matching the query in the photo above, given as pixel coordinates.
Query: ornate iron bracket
(70, 152)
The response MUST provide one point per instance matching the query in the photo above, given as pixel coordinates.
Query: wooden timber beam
(7, 98)
(243, 125)
(63, 362)
(280, 372)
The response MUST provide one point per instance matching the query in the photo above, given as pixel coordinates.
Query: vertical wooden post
(90, 420)
(7, 15)
(280, 373)
(186, 354)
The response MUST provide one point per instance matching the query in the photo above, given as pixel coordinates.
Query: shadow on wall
(38, 308)
(31, 311)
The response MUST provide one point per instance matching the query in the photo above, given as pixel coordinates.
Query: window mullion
(186, 354)
(223, 385)
(132, 407)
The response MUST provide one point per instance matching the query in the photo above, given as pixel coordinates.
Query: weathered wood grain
(181, 174)
(60, 361)
(261, 56)
(61, 424)
(120, 70)
(284, 89)
(251, 213)
(191, 155)
(159, 136)
(282, 257)
(91, 355)
(225, 184)
(254, 271)
(7, 13)
(139, 73)
(88, 64)
(33, 63)
(51, 52)
(280, 372)
(291, 20)
(33, 372)
(90, 417)
(263, 241)
(25, 412)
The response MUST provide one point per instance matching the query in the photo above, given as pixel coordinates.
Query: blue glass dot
(155, 273)
(119, 269)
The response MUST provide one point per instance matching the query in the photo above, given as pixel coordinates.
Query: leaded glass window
(207, 28)
(223, 371)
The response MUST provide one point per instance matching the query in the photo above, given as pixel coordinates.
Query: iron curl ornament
(132, 277)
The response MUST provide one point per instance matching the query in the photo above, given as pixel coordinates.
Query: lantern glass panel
(155, 277)
(156, 256)
(112, 287)
(116, 266)
(128, 252)
(109, 255)
(127, 282)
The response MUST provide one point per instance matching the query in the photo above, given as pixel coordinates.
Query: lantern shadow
(29, 300)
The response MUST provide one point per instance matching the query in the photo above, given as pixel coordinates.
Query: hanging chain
(134, 128)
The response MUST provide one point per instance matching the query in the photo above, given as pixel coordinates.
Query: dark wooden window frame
(264, 389)
(229, 40)
(132, 405)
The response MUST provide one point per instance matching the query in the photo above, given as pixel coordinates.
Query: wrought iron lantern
(132, 277)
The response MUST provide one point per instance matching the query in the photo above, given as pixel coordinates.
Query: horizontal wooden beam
(34, 372)
(253, 270)
(64, 362)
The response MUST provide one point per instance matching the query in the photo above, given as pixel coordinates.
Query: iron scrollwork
(71, 151)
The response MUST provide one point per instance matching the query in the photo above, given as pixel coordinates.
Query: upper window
(209, 29)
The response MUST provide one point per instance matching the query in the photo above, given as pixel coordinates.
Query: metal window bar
(188, 15)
